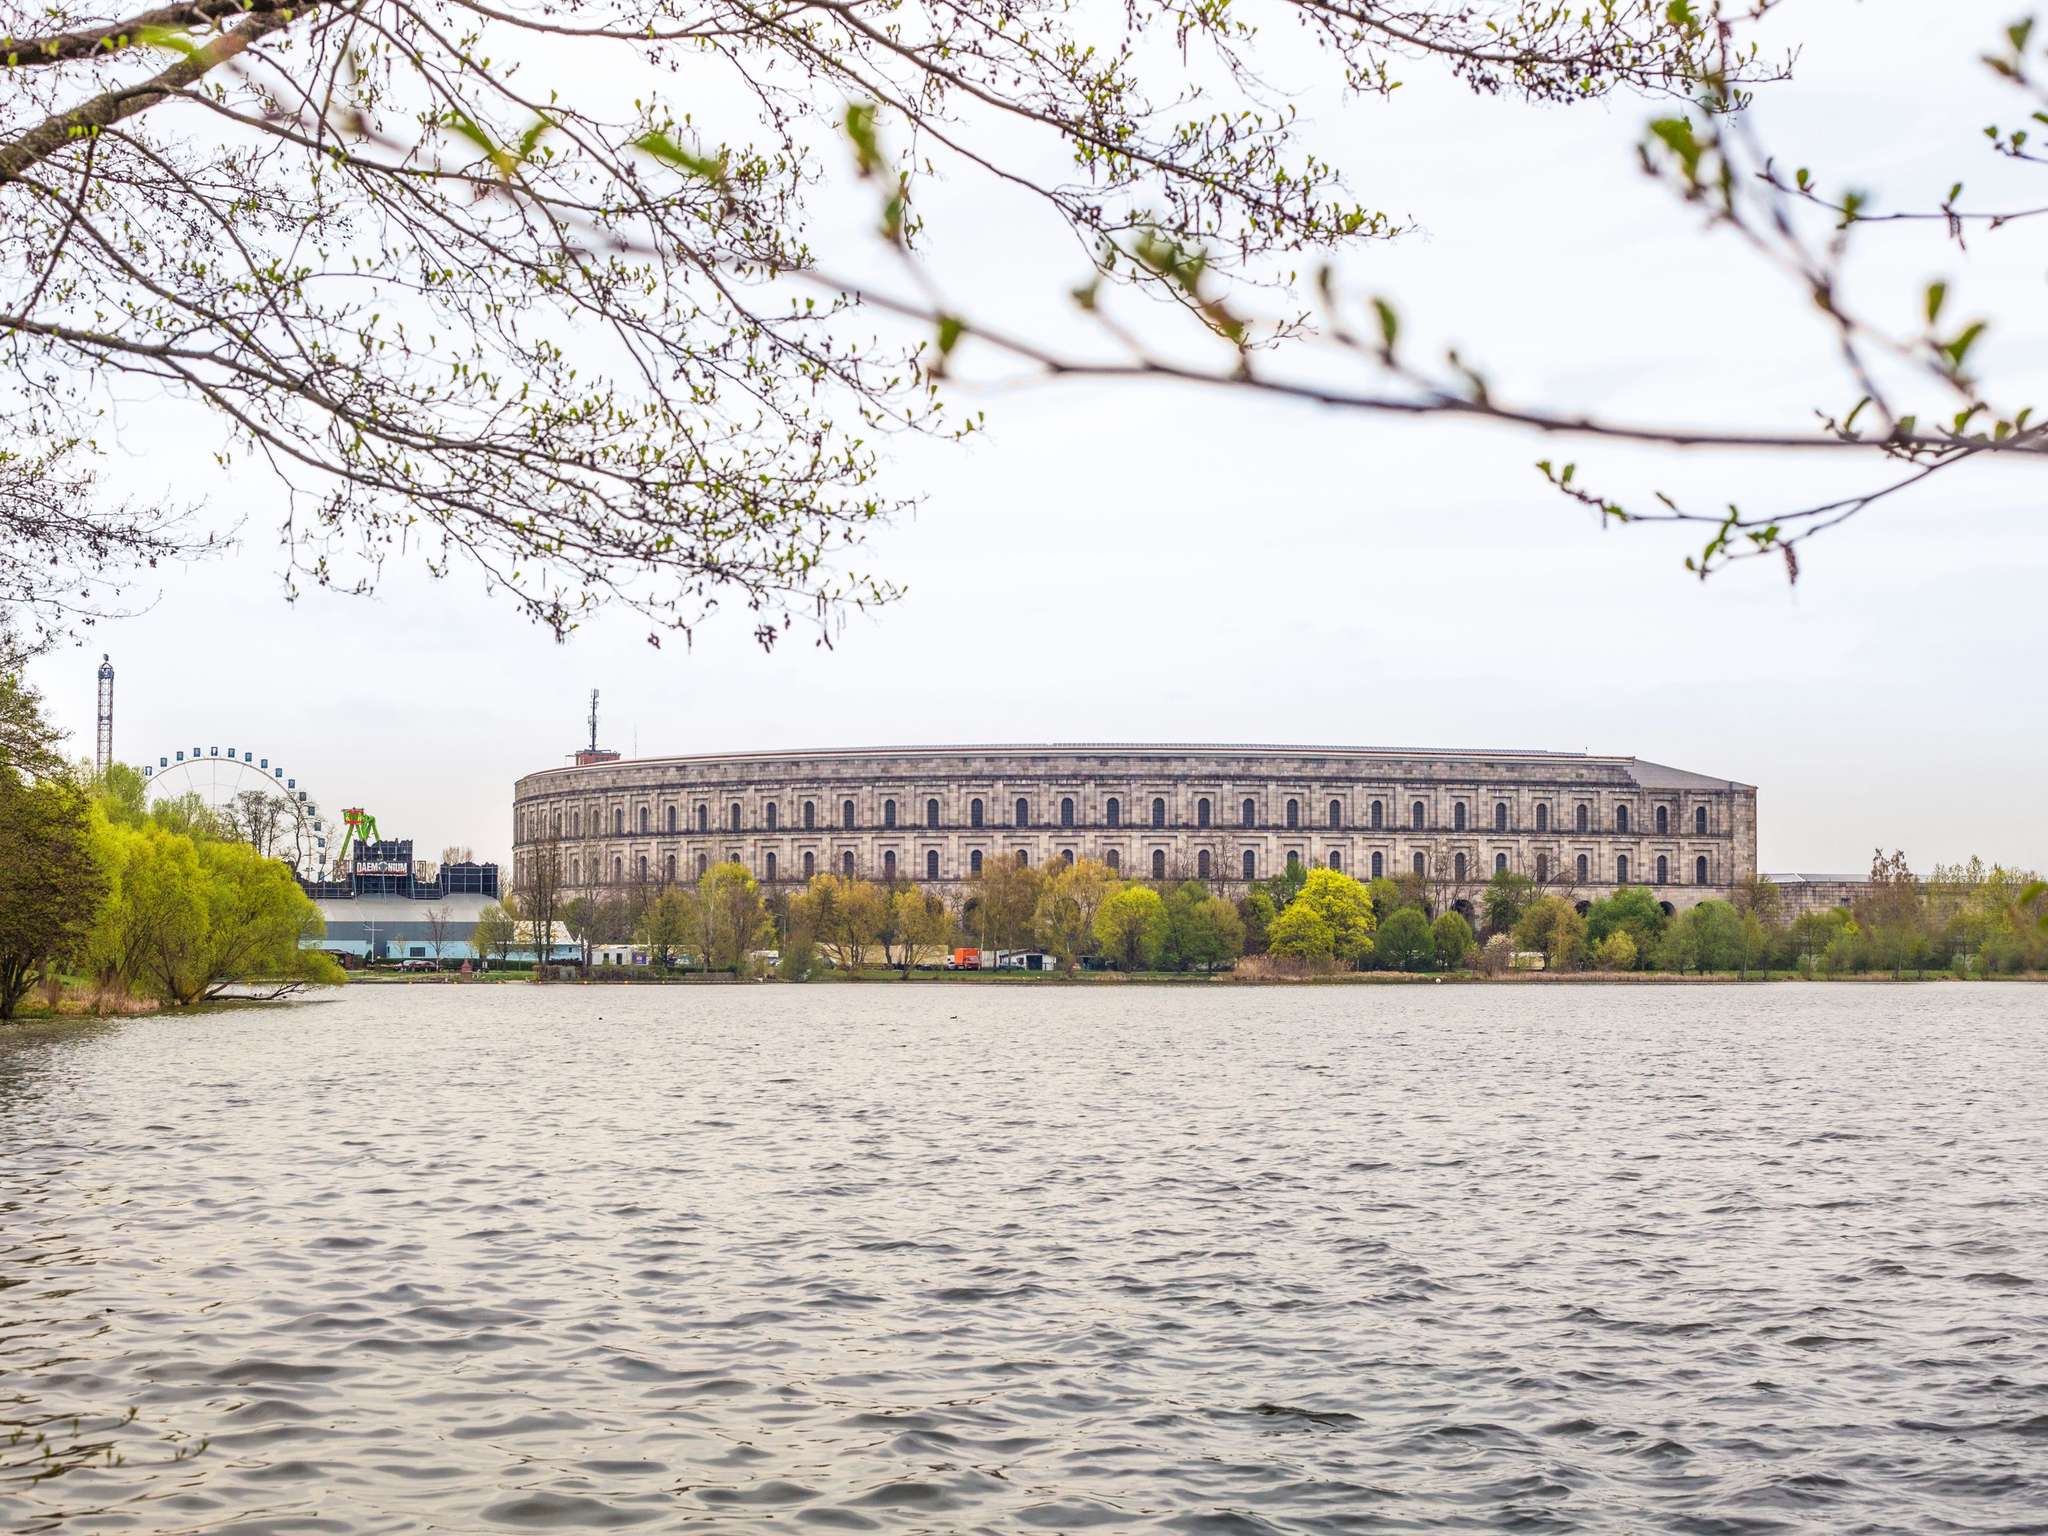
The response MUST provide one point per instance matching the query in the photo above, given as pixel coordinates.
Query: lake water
(957, 1258)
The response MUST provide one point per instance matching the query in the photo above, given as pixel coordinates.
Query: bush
(1405, 942)
(1616, 952)
(1451, 937)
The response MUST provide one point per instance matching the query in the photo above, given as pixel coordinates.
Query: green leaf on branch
(662, 147)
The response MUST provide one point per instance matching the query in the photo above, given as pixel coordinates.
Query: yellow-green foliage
(184, 921)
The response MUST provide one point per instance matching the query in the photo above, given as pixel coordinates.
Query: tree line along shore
(1968, 920)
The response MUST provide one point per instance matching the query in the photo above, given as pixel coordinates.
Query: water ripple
(1221, 1262)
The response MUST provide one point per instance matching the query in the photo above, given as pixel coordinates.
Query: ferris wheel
(253, 797)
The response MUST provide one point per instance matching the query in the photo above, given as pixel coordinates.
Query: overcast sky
(1136, 563)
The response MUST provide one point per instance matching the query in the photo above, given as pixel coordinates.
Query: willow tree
(468, 283)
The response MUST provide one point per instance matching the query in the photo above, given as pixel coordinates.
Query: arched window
(618, 821)
(1067, 857)
(846, 863)
(1621, 869)
(1699, 870)
(1500, 863)
(671, 869)
(576, 870)
(1113, 811)
(1202, 863)
(1202, 811)
(1584, 872)
(618, 871)
(1500, 815)
(888, 813)
(1336, 813)
(671, 818)
(1542, 864)
(1378, 814)
(974, 861)
(1066, 810)
(1379, 866)
(846, 814)
(1251, 814)
(1293, 813)
(1415, 815)
(1663, 867)
(646, 824)
(703, 818)
(931, 813)
(810, 815)
(931, 863)
(732, 816)
(1582, 818)
(1158, 863)
(1420, 867)
(1458, 817)
(576, 822)
(810, 865)
(1023, 858)
(1114, 860)
(889, 866)
(1458, 869)
(703, 865)
(1023, 812)
(1336, 861)
(976, 813)
(770, 812)
(768, 868)
(1293, 861)
(1699, 820)
(1250, 861)
(1663, 819)
(1158, 811)
(1621, 818)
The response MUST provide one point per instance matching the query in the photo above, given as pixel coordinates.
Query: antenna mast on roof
(594, 753)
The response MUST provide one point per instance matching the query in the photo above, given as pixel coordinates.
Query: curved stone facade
(1572, 821)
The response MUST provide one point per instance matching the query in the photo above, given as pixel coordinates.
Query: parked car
(420, 965)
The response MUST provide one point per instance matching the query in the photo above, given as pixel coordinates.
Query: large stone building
(1568, 820)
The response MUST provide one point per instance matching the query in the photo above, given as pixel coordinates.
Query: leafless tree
(437, 930)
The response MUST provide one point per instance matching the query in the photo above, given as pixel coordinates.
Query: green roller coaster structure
(359, 826)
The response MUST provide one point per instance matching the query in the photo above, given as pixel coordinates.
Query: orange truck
(965, 960)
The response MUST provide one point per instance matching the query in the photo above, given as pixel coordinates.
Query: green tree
(667, 926)
(734, 921)
(1345, 907)
(1892, 915)
(1551, 926)
(1506, 897)
(1204, 931)
(923, 926)
(1301, 933)
(1631, 908)
(28, 742)
(1616, 952)
(1451, 937)
(1067, 903)
(1405, 942)
(1131, 928)
(154, 920)
(846, 915)
(495, 934)
(1004, 899)
(51, 884)
(1255, 913)
(258, 920)
(579, 920)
